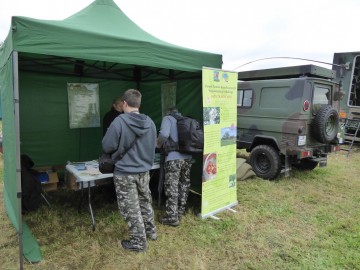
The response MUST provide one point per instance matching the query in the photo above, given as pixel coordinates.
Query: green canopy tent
(99, 44)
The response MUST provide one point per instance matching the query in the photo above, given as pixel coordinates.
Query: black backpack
(30, 186)
(190, 133)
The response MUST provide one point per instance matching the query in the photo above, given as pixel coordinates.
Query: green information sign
(219, 161)
(83, 105)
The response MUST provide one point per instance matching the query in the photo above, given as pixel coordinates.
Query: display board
(83, 105)
(219, 89)
(168, 96)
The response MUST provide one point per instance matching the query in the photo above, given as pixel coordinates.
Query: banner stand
(212, 214)
(219, 182)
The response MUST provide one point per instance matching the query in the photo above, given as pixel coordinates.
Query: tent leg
(20, 233)
(18, 170)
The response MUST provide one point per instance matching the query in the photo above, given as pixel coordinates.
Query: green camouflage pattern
(135, 205)
(274, 115)
(176, 186)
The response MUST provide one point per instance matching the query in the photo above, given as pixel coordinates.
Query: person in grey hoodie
(177, 171)
(132, 135)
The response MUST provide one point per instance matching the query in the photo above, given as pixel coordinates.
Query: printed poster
(83, 101)
(219, 192)
(168, 96)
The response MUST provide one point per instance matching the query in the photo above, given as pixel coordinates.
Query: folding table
(87, 173)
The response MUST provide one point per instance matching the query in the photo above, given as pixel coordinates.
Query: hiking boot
(152, 236)
(169, 221)
(126, 244)
(181, 213)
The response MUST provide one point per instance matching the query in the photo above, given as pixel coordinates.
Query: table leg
(82, 196)
(90, 208)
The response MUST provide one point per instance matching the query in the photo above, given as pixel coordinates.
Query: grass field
(310, 220)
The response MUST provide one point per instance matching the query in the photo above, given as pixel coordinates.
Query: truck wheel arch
(263, 140)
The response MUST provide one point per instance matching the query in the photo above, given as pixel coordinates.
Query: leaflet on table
(79, 166)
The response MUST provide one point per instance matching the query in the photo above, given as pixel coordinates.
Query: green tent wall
(99, 44)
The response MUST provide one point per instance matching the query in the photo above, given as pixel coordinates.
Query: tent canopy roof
(100, 41)
(101, 32)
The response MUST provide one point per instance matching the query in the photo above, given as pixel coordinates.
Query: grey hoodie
(122, 133)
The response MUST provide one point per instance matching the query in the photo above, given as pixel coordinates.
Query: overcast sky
(241, 30)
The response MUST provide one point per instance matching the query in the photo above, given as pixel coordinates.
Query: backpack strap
(121, 155)
(176, 116)
(127, 149)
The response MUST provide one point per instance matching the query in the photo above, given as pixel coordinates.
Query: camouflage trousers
(134, 202)
(176, 186)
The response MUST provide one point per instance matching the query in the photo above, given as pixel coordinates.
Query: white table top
(92, 173)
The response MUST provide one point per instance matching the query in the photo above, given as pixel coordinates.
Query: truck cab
(288, 117)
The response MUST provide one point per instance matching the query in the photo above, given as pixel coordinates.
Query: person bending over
(177, 172)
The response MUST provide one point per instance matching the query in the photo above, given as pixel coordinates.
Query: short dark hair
(132, 98)
(117, 100)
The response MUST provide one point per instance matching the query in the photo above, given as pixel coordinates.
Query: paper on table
(93, 170)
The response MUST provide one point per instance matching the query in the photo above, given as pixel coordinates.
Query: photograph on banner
(228, 135)
(209, 167)
(84, 106)
(211, 115)
(219, 160)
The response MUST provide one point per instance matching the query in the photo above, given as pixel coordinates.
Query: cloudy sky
(242, 31)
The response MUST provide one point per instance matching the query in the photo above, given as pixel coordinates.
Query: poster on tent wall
(83, 101)
(168, 96)
(219, 89)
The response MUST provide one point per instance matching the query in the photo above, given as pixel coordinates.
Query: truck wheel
(265, 162)
(306, 164)
(326, 124)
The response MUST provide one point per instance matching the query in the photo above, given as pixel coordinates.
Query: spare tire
(326, 124)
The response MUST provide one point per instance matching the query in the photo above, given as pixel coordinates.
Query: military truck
(347, 68)
(288, 117)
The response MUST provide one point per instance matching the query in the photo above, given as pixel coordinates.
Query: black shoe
(152, 236)
(126, 244)
(169, 221)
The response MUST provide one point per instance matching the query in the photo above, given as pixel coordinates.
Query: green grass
(310, 220)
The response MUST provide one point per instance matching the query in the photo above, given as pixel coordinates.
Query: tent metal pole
(18, 165)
